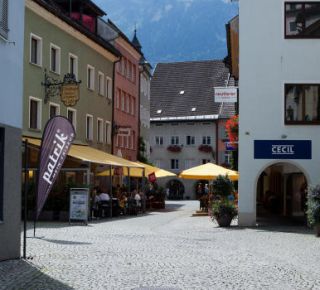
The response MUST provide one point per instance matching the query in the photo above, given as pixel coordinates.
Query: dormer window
(193, 109)
(181, 93)
(159, 111)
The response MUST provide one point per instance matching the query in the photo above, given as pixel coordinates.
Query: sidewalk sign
(79, 205)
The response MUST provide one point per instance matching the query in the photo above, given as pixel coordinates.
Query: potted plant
(313, 208)
(205, 148)
(174, 148)
(223, 207)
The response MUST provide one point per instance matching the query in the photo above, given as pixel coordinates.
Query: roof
(185, 91)
(135, 41)
(54, 9)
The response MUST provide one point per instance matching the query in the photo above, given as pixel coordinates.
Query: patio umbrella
(208, 171)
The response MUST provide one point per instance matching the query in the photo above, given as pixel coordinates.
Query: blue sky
(174, 30)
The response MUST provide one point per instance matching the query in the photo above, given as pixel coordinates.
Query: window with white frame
(4, 18)
(129, 76)
(190, 140)
(54, 110)
(157, 163)
(118, 98)
(55, 57)
(130, 141)
(133, 105)
(90, 77)
(108, 132)
(89, 127)
(159, 140)
(34, 113)
(109, 88)
(128, 101)
(134, 73)
(100, 130)
(125, 141)
(123, 96)
(174, 163)
(35, 49)
(101, 83)
(174, 140)
(73, 65)
(206, 140)
(72, 117)
(227, 157)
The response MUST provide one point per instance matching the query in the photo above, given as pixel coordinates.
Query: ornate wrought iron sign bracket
(68, 89)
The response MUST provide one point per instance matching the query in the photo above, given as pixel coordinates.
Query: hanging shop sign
(282, 149)
(56, 141)
(152, 177)
(230, 146)
(68, 89)
(79, 204)
(225, 94)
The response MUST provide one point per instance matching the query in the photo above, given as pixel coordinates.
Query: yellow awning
(138, 172)
(208, 171)
(89, 154)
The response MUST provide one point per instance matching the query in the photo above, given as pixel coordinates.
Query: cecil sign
(280, 149)
(225, 94)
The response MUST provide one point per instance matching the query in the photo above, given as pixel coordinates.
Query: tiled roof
(187, 89)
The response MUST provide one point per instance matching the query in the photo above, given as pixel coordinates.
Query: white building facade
(11, 72)
(279, 107)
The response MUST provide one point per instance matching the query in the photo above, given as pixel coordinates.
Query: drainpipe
(217, 141)
(113, 106)
(138, 101)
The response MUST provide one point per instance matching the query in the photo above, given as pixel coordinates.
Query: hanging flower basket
(174, 148)
(205, 148)
(232, 128)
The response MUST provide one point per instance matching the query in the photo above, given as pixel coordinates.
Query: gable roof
(177, 88)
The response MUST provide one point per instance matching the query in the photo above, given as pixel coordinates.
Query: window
(302, 19)
(174, 164)
(90, 77)
(109, 88)
(159, 140)
(125, 63)
(190, 140)
(134, 141)
(188, 163)
(108, 132)
(129, 76)
(4, 18)
(55, 55)
(128, 103)
(227, 157)
(206, 140)
(118, 97)
(123, 96)
(302, 102)
(54, 110)
(99, 130)
(101, 83)
(134, 73)
(72, 117)
(34, 113)
(73, 65)
(125, 141)
(174, 140)
(205, 161)
(89, 127)
(133, 106)
(157, 163)
(35, 49)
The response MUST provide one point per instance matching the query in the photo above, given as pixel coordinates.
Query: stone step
(200, 214)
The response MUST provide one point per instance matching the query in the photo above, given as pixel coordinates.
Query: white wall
(11, 68)
(267, 61)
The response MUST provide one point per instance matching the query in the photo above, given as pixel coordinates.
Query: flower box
(205, 148)
(174, 148)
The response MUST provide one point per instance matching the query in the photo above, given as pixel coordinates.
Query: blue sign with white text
(282, 149)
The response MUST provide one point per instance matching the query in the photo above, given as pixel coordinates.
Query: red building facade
(126, 101)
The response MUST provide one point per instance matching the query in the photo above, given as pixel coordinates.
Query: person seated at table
(122, 203)
(104, 196)
(137, 197)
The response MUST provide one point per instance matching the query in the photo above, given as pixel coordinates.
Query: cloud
(157, 16)
(168, 7)
(187, 3)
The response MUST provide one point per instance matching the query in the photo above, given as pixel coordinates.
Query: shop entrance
(281, 194)
(176, 189)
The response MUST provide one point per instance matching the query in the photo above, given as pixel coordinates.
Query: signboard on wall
(79, 204)
(225, 94)
(282, 149)
(230, 146)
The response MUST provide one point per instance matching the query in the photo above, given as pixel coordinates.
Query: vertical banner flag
(55, 144)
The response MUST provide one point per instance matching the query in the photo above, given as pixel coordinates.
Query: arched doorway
(281, 194)
(176, 189)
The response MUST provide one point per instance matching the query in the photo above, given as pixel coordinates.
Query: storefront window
(302, 103)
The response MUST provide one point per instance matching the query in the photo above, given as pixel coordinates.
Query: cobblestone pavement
(165, 250)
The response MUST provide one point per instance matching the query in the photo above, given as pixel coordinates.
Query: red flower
(174, 148)
(232, 128)
(205, 148)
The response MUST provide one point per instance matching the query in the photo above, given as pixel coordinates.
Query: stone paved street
(166, 250)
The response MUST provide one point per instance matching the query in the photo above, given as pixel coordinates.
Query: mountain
(174, 30)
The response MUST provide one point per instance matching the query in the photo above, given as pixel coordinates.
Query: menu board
(79, 204)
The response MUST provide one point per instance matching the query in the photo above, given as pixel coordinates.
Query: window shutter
(4, 18)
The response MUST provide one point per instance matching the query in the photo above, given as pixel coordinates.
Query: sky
(174, 30)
